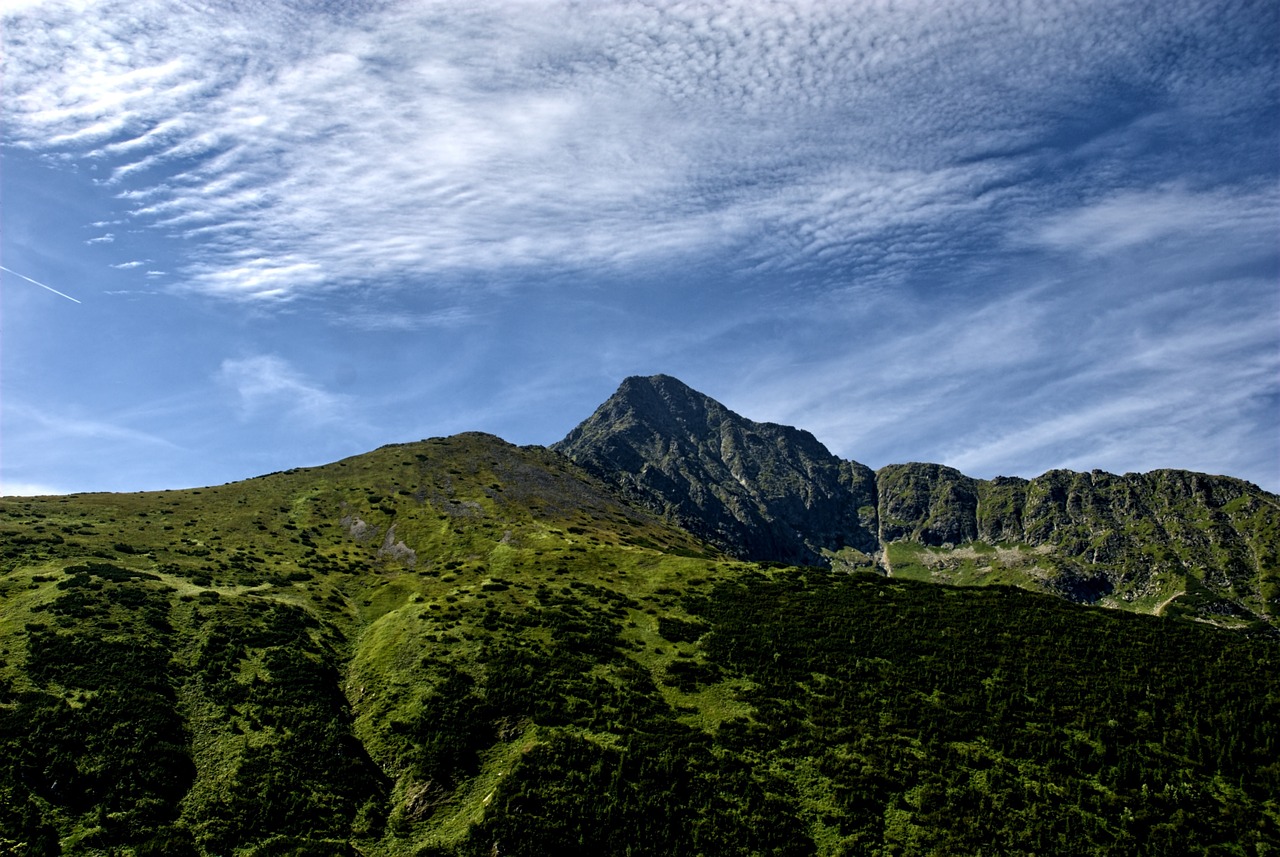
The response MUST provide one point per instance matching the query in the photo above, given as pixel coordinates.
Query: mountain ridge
(767, 492)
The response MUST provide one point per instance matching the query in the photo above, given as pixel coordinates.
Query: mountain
(1203, 546)
(759, 490)
(354, 652)
(462, 647)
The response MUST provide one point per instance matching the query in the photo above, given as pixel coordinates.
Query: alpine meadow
(464, 647)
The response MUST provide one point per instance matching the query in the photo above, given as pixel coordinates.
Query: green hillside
(462, 647)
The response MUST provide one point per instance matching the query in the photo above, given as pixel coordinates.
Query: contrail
(38, 283)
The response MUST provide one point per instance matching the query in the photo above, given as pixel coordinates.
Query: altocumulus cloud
(309, 148)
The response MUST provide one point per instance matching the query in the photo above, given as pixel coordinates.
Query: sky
(239, 237)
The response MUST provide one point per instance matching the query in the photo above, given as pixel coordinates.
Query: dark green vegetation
(936, 720)
(461, 647)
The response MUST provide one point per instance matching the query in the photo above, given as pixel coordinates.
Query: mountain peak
(657, 399)
(659, 395)
(663, 401)
(757, 490)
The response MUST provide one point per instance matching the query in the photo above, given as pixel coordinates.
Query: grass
(972, 564)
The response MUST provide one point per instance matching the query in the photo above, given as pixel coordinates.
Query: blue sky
(1004, 236)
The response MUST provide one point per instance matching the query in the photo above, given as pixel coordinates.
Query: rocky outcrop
(1107, 533)
(927, 503)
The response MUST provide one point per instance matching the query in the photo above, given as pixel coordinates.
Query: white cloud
(1119, 373)
(957, 225)
(8, 7)
(28, 489)
(267, 382)
(398, 320)
(391, 143)
(56, 427)
(1134, 218)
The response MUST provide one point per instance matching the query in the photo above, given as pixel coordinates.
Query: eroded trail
(1159, 611)
(884, 560)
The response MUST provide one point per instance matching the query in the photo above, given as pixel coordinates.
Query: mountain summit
(756, 490)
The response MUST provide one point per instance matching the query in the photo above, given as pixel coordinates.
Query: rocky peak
(927, 503)
(757, 490)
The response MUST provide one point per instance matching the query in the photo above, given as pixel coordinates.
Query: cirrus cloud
(269, 383)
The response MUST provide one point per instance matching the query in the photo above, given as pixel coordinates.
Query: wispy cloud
(399, 320)
(82, 443)
(268, 383)
(58, 427)
(1067, 374)
(1163, 216)
(28, 489)
(922, 230)
(401, 140)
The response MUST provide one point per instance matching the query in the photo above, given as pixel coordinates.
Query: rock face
(769, 492)
(756, 490)
(926, 503)
(1104, 533)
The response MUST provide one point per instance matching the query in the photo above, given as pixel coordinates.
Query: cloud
(1161, 216)
(124, 266)
(267, 383)
(396, 320)
(1116, 374)
(28, 489)
(393, 142)
(55, 427)
(102, 239)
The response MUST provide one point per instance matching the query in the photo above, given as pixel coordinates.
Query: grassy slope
(459, 644)
(393, 553)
